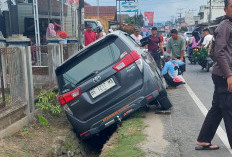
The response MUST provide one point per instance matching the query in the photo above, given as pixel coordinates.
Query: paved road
(183, 125)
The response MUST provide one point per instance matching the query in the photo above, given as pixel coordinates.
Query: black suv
(106, 82)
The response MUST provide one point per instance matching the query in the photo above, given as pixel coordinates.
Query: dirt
(155, 144)
(57, 139)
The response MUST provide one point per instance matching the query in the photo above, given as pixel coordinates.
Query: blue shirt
(170, 67)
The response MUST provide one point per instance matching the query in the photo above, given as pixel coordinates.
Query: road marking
(220, 132)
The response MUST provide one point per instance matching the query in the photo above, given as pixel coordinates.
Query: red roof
(103, 10)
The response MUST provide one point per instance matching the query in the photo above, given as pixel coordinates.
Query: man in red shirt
(90, 36)
(155, 47)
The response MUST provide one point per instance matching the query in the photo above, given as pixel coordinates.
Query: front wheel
(164, 103)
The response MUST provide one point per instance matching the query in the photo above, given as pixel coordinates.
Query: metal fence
(12, 77)
(39, 55)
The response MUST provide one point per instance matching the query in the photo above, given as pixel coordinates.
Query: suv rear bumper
(113, 118)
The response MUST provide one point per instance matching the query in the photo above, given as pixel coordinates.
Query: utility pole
(210, 11)
(180, 12)
(180, 15)
(37, 31)
(81, 22)
(98, 10)
(62, 15)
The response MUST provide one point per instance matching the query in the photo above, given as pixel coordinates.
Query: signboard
(129, 7)
(148, 18)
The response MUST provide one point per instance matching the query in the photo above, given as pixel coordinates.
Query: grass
(126, 139)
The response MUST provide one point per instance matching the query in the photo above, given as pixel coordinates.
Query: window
(96, 58)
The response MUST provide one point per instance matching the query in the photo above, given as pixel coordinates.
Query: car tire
(164, 103)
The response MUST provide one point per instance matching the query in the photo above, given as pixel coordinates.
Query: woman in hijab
(195, 42)
(50, 31)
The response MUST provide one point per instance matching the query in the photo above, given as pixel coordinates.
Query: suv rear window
(96, 58)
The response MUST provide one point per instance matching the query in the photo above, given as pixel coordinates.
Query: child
(171, 71)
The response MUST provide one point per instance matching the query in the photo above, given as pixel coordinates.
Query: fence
(12, 77)
(24, 70)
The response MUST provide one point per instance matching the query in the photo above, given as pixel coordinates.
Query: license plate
(102, 88)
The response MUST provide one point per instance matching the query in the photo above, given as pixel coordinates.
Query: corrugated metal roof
(103, 10)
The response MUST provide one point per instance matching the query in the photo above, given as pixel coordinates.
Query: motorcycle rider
(194, 43)
(207, 38)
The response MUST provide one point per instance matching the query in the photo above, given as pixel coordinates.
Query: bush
(48, 102)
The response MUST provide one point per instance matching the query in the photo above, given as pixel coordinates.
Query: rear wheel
(165, 103)
(207, 66)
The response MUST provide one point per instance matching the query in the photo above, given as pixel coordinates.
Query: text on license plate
(102, 88)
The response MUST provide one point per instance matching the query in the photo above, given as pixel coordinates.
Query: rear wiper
(88, 76)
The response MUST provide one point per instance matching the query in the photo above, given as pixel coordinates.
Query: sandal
(207, 147)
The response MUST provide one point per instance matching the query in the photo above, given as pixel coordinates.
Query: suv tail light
(67, 97)
(128, 60)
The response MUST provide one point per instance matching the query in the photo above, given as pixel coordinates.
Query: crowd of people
(221, 73)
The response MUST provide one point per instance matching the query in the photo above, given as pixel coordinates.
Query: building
(106, 14)
(19, 18)
(122, 17)
(217, 10)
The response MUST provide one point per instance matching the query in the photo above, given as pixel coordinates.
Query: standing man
(207, 38)
(154, 45)
(136, 36)
(90, 36)
(222, 78)
(176, 46)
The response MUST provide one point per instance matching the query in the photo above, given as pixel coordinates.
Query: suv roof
(115, 33)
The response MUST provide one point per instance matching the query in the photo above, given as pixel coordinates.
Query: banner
(148, 18)
(129, 7)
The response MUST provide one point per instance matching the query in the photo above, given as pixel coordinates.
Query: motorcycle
(204, 60)
(207, 64)
(193, 55)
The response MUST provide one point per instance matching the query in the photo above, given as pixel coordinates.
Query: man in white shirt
(136, 36)
(207, 38)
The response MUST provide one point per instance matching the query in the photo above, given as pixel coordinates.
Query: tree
(183, 29)
(135, 20)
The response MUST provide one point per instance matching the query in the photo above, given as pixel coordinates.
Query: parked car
(106, 82)
(94, 24)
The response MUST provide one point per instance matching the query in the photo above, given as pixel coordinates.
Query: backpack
(146, 40)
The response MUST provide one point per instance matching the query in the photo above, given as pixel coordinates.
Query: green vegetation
(42, 120)
(201, 57)
(49, 104)
(183, 29)
(135, 20)
(128, 136)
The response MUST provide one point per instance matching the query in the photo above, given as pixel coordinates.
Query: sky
(163, 9)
